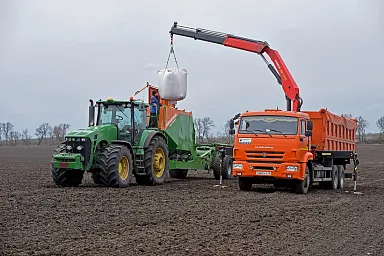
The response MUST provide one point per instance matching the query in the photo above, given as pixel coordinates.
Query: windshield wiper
(278, 132)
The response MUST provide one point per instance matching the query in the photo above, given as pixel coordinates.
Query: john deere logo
(264, 154)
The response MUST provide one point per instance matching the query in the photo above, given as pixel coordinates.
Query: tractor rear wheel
(156, 161)
(116, 166)
(65, 177)
(178, 173)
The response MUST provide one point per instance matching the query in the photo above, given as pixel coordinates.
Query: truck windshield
(285, 125)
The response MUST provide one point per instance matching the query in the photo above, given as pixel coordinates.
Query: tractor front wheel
(156, 161)
(116, 166)
(65, 177)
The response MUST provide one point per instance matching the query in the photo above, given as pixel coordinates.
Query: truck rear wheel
(334, 174)
(65, 177)
(116, 166)
(245, 184)
(156, 161)
(340, 177)
(302, 186)
(178, 174)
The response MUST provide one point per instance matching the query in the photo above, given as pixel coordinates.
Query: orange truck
(286, 148)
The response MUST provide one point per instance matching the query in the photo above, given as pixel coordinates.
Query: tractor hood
(109, 131)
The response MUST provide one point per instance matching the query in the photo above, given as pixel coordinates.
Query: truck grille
(270, 157)
(84, 142)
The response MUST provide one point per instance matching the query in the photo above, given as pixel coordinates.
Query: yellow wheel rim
(123, 168)
(159, 162)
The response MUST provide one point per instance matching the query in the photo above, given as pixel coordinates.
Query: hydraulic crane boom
(283, 76)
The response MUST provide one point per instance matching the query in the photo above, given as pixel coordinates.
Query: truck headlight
(291, 168)
(237, 166)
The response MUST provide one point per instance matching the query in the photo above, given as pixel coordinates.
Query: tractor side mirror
(231, 124)
(142, 107)
(91, 113)
(309, 125)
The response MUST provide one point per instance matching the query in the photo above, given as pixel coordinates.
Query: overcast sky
(56, 55)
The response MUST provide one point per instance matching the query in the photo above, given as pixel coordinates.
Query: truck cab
(271, 146)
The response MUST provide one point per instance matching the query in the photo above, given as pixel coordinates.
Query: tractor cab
(130, 117)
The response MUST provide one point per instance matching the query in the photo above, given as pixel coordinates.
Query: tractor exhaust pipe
(91, 111)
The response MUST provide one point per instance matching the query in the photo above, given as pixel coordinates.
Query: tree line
(45, 134)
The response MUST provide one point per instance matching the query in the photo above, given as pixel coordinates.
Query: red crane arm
(283, 76)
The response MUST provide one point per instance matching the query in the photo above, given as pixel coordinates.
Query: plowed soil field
(185, 217)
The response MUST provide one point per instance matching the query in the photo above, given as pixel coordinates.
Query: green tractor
(120, 145)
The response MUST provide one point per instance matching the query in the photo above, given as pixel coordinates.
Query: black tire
(116, 166)
(157, 149)
(216, 167)
(340, 177)
(334, 174)
(65, 177)
(227, 173)
(302, 186)
(96, 177)
(245, 184)
(178, 174)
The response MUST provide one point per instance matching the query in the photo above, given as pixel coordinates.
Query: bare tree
(198, 129)
(207, 124)
(14, 137)
(362, 125)
(26, 137)
(43, 131)
(7, 128)
(380, 124)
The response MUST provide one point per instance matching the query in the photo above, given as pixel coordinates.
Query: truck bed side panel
(333, 132)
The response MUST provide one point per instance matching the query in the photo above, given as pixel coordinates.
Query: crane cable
(172, 51)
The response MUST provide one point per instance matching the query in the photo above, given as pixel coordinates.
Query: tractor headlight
(79, 148)
(83, 139)
(291, 168)
(237, 166)
(69, 147)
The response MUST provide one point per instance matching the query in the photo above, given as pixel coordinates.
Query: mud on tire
(116, 166)
(65, 177)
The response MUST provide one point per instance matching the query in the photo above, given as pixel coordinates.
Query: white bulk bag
(172, 84)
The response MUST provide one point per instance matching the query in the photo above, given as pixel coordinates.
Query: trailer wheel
(65, 177)
(302, 186)
(340, 177)
(116, 166)
(216, 166)
(156, 161)
(245, 184)
(334, 183)
(178, 173)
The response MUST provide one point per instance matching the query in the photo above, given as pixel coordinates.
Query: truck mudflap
(68, 161)
(277, 171)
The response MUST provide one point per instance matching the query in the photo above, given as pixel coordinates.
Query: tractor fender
(125, 143)
(151, 135)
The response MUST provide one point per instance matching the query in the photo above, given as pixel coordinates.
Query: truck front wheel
(65, 177)
(116, 166)
(245, 184)
(302, 186)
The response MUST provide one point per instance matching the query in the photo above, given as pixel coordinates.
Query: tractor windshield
(262, 124)
(115, 114)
